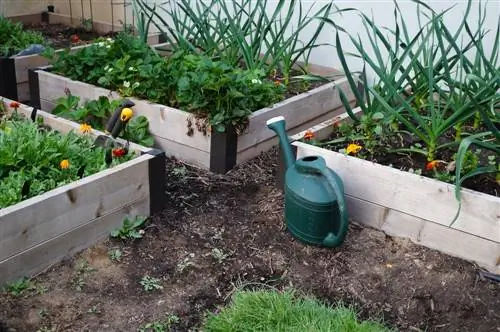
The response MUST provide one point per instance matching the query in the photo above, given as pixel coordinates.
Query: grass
(274, 311)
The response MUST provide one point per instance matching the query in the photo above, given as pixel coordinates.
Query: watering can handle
(331, 239)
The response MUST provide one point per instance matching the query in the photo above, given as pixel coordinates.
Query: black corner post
(161, 38)
(34, 88)
(157, 185)
(8, 81)
(223, 150)
(281, 168)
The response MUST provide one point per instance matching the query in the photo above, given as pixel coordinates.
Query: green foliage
(161, 326)
(273, 311)
(97, 112)
(433, 84)
(31, 156)
(224, 95)
(130, 228)
(13, 37)
(150, 283)
(19, 287)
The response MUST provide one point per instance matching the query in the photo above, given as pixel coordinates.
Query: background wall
(382, 11)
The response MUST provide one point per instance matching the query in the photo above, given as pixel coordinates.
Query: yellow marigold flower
(64, 163)
(85, 128)
(353, 148)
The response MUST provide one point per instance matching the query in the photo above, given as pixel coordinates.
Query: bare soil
(408, 286)
(59, 35)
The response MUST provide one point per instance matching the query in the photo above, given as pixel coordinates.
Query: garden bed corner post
(8, 82)
(34, 88)
(157, 184)
(223, 150)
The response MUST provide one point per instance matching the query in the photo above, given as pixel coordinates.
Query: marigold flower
(64, 164)
(431, 165)
(308, 135)
(75, 38)
(85, 128)
(353, 148)
(277, 82)
(14, 104)
(119, 152)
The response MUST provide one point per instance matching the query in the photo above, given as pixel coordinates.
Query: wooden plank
(297, 110)
(447, 240)
(412, 194)
(23, 92)
(254, 150)
(39, 218)
(182, 152)
(25, 62)
(26, 19)
(38, 258)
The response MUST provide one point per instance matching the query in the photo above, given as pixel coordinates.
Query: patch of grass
(273, 311)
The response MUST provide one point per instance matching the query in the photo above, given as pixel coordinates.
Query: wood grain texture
(416, 197)
(43, 255)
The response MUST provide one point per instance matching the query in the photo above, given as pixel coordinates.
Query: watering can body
(315, 210)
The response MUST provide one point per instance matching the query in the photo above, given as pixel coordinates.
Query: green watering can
(315, 209)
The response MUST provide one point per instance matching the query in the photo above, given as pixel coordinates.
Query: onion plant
(434, 83)
(243, 32)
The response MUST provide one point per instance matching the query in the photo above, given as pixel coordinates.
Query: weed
(129, 229)
(272, 310)
(219, 255)
(185, 263)
(161, 326)
(82, 270)
(115, 255)
(150, 283)
(23, 285)
(94, 310)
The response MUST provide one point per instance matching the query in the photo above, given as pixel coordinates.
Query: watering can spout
(277, 124)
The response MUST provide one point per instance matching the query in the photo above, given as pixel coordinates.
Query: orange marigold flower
(119, 152)
(353, 148)
(75, 38)
(64, 164)
(308, 135)
(277, 82)
(431, 165)
(14, 104)
(85, 128)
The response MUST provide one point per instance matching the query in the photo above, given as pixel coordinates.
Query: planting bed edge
(42, 230)
(412, 206)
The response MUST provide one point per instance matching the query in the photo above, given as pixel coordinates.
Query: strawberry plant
(13, 38)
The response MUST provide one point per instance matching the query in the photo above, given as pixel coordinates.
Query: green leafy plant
(150, 283)
(243, 31)
(97, 112)
(13, 37)
(115, 255)
(19, 287)
(429, 87)
(130, 228)
(35, 159)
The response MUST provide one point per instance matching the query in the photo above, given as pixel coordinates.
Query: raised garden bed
(411, 206)
(216, 151)
(39, 231)
(14, 69)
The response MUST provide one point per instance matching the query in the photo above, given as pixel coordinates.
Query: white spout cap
(275, 119)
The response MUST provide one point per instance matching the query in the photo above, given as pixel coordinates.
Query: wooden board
(43, 229)
(43, 255)
(416, 196)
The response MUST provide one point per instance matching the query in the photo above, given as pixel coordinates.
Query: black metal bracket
(157, 184)
(8, 81)
(223, 150)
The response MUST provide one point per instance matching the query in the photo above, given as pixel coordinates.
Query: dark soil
(59, 36)
(412, 288)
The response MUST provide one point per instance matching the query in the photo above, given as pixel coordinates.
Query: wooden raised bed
(218, 152)
(14, 70)
(412, 206)
(42, 230)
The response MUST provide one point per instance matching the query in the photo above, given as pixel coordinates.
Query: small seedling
(21, 286)
(115, 255)
(185, 263)
(82, 270)
(160, 326)
(219, 255)
(94, 310)
(180, 171)
(150, 283)
(129, 229)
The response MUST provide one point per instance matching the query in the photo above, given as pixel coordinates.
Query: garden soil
(408, 286)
